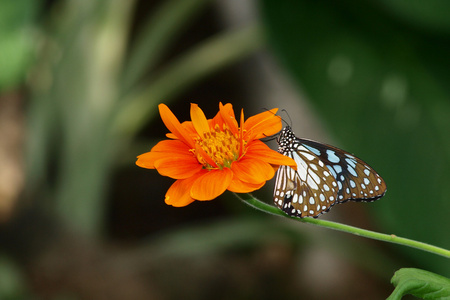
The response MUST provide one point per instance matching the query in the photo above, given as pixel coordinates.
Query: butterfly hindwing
(307, 191)
(325, 175)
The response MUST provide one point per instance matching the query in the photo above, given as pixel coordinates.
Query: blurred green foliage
(11, 280)
(380, 83)
(18, 37)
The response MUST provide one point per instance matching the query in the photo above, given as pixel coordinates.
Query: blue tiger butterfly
(325, 176)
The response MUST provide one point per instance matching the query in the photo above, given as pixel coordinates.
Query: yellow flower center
(220, 145)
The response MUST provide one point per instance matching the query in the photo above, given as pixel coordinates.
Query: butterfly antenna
(269, 138)
(284, 121)
(289, 117)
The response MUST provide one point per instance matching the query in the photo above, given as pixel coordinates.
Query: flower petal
(227, 114)
(162, 150)
(241, 134)
(199, 120)
(171, 147)
(188, 126)
(178, 194)
(211, 184)
(262, 125)
(147, 160)
(238, 186)
(174, 125)
(178, 167)
(252, 170)
(216, 121)
(259, 150)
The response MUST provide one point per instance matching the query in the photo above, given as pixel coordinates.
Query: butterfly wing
(356, 180)
(308, 191)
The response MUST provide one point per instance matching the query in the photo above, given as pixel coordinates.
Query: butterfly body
(325, 176)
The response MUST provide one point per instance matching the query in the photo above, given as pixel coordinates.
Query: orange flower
(208, 157)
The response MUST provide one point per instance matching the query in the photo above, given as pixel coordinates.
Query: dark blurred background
(80, 82)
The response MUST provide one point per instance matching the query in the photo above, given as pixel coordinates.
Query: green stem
(391, 238)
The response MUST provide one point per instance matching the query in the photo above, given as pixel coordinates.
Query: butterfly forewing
(356, 180)
(325, 175)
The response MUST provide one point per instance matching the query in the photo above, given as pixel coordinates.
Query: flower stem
(391, 238)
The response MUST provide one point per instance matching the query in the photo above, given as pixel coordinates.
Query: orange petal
(188, 126)
(259, 150)
(178, 194)
(161, 150)
(241, 134)
(252, 170)
(199, 120)
(217, 120)
(147, 160)
(239, 186)
(211, 184)
(174, 125)
(262, 125)
(170, 147)
(178, 167)
(227, 114)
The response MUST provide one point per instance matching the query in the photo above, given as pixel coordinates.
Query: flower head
(209, 156)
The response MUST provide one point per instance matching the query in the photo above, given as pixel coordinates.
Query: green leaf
(381, 86)
(419, 283)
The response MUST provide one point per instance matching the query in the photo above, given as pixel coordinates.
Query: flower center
(218, 146)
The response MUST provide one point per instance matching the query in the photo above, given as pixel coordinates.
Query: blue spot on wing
(338, 168)
(332, 157)
(312, 149)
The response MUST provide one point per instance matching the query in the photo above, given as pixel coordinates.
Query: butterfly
(325, 176)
